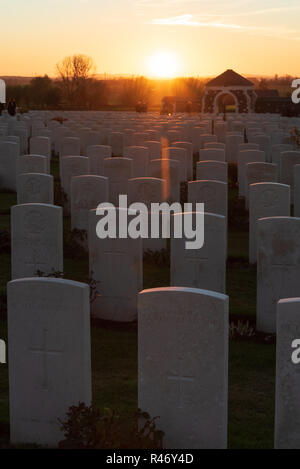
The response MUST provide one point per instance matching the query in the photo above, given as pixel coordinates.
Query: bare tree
(74, 72)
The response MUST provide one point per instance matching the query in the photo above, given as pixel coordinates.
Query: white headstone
(232, 143)
(168, 170)
(265, 200)
(49, 356)
(201, 268)
(87, 192)
(96, 155)
(217, 170)
(9, 153)
(260, 172)
(215, 154)
(180, 155)
(32, 164)
(35, 188)
(183, 372)
(72, 166)
(41, 146)
(116, 141)
(213, 194)
(288, 160)
(245, 157)
(117, 264)
(118, 171)
(278, 267)
(287, 402)
(188, 146)
(140, 160)
(37, 240)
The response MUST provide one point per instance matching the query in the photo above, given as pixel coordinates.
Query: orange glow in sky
(164, 65)
(151, 37)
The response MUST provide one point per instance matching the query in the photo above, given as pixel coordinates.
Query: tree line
(75, 86)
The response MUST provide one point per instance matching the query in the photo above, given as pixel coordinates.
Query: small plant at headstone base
(93, 288)
(160, 258)
(54, 274)
(241, 329)
(295, 136)
(89, 428)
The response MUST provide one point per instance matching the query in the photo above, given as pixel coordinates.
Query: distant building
(269, 101)
(229, 88)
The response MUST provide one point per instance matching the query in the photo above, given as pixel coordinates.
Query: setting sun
(163, 65)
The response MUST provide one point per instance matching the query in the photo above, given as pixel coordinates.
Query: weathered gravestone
(183, 365)
(287, 402)
(36, 240)
(278, 267)
(212, 170)
(180, 155)
(265, 200)
(276, 151)
(116, 141)
(168, 170)
(72, 166)
(41, 146)
(259, 172)
(32, 164)
(216, 145)
(9, 153)
(96, 155)
(154, 148)
(49, 356)
(264, 142)
(140, 160)
(232, 143)
(87, 192)
(69, 146)
(296, 200)
(213, 194)
(118, 171)
(35, 188)
(245, 157)
(117, 267)
(205, 267)
(147, 191)
(288, 160)
(215, 154)
(188, 146)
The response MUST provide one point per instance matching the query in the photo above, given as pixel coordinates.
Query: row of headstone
(182, 375)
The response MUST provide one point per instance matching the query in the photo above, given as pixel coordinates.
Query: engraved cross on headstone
(181, 380)
(35, 263)
(46, 352)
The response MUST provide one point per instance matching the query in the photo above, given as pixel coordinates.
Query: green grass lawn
(114, 348)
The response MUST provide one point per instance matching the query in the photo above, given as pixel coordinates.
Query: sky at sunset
(142, 37)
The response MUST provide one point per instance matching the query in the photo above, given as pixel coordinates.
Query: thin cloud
(191, 21)
(187, 20)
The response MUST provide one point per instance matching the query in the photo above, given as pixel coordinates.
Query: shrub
(88, 428)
